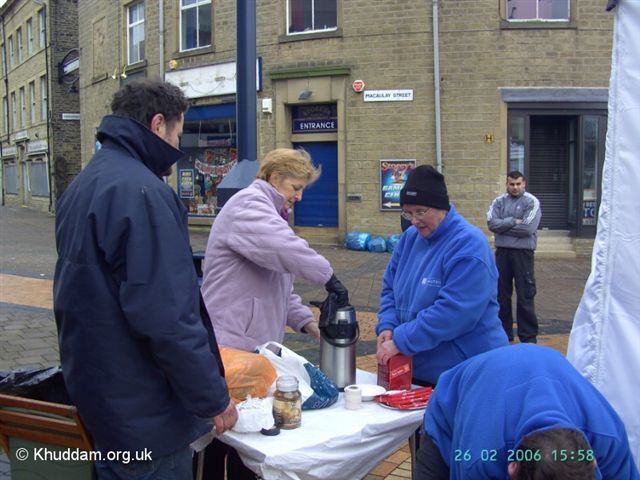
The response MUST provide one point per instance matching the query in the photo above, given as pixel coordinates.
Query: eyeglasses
(419, 215)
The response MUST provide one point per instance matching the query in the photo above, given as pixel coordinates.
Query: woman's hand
(312, 329)
(383, 337)
(386, 350)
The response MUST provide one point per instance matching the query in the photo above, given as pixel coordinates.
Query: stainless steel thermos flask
(338, 337)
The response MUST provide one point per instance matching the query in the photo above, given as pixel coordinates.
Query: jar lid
(287, 383)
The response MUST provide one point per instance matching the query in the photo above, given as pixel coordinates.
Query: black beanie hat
(425, 186)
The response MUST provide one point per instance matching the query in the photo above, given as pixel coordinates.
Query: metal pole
(436, 84)
(246, 98)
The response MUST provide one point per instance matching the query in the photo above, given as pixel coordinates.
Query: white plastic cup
(352, 397)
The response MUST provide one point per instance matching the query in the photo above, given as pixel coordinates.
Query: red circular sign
(358, 86)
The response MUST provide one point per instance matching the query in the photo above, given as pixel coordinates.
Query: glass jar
(287, 403)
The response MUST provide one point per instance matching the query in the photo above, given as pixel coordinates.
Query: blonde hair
(288, 162)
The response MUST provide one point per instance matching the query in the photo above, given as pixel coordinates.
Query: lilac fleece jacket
(251, 260)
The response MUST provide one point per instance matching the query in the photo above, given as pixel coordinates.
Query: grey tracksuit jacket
(502, 216)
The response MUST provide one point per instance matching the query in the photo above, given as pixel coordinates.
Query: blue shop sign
(321, 118)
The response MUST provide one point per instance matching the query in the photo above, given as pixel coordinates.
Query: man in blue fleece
(438, 301)
(521, 412)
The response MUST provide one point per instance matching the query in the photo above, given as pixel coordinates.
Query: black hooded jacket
(137, 359)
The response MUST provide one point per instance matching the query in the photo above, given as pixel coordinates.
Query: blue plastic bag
(377, 244)
(392, 240)
(357, 240)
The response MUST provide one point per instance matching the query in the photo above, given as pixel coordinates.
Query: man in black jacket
(139, 358)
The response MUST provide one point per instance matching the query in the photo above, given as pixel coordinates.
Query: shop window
(538, 10)
(10, 176)
(305, 16)
(135, 33)
(210, 147)
(39, 181)
(195, 24)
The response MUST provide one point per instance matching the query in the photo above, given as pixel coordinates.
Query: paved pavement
(27, 327)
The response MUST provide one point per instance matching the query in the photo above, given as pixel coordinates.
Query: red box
(396, 374)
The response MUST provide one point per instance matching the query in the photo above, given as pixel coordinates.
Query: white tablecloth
(332, 443)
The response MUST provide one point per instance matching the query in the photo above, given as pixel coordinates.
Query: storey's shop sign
(393, 176)
(388, 95)
(322, 118)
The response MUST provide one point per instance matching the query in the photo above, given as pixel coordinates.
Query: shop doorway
(319, 205)
(561, 153)
(552, 152)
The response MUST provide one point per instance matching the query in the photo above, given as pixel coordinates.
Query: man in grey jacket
(514, 218)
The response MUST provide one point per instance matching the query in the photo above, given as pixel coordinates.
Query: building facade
(40, 120)
(521, 84)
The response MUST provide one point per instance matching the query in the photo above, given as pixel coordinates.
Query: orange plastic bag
(247, 373)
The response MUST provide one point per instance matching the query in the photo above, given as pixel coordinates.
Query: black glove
(335, 286)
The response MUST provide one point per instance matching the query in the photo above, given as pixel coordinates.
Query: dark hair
(515, 174)
(550, 466)
(142, 99)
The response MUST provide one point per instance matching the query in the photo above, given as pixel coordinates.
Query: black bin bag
(46, 384)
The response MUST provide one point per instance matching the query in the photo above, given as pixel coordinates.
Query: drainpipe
(436, 85)
(161, 39)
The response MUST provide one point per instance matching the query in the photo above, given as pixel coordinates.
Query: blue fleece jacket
(439, 297)
(487, 404)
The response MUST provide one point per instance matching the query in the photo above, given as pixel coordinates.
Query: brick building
(39, 125)
(522, 84)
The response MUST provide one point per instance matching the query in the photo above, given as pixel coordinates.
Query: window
(19, 37)
(10, 176)
(23, 109)
(14, 112)
(29, 37)
(135, 33)
(38, 179)
(304, 16)
(538, 10)
(3, 67)
(44, 109)
(43, 29)
(32, 101)
(10, 51)
(195, 24)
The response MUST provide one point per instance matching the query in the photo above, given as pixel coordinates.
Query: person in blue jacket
(438, 300)
(139, 360)
(521, 412)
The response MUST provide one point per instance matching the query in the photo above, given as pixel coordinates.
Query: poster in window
(589, 212)
(393, 176)
(185, 183)
(209, 166)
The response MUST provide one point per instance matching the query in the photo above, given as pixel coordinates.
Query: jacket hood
(139, 141)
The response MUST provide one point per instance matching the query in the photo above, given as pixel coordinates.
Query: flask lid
(287, 383)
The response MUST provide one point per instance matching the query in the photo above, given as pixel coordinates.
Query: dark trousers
(429, 462)
(516, 266)
(219, 455)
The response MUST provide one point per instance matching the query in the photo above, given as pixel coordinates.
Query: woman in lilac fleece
(253, 256)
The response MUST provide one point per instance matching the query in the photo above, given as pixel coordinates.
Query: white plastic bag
(254, 414)
(316, 390)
